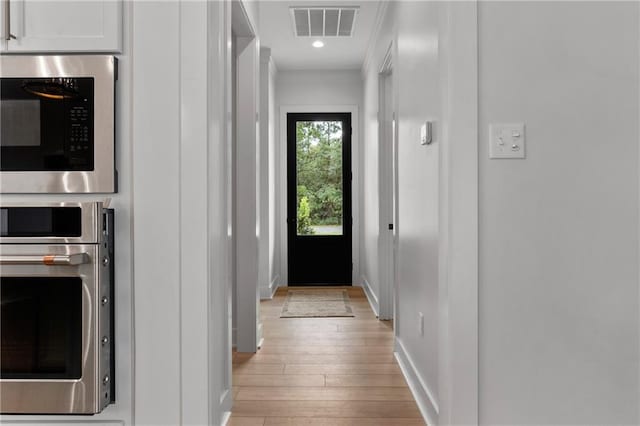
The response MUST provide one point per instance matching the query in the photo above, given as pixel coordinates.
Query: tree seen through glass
(319, 177)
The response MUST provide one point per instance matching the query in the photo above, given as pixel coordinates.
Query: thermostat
(426, 133)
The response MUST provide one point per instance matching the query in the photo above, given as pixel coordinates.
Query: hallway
(322, 371)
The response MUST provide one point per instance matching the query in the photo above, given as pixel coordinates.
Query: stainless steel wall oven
(56, 296)
(57, 121)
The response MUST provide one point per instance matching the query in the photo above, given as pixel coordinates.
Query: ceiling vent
(324, 21)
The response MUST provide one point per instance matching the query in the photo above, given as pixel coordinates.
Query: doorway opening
(319, 204)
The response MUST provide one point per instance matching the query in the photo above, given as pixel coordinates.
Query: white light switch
(507, 141)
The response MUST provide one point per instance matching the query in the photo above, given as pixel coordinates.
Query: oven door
(54, 315)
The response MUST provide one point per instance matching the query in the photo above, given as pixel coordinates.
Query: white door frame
(246, 180)
(639, 231)
(386, 138)
(355, 183)
(221, 182)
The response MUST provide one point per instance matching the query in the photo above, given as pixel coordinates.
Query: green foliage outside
(304, 219)
(319, 170)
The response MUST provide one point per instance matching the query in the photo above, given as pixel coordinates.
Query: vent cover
(324, 21)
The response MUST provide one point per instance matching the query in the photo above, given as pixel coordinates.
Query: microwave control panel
(80, 141)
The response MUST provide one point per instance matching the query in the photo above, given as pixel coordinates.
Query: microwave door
(46, 124)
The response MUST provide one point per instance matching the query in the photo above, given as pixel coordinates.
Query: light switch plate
(507, 141)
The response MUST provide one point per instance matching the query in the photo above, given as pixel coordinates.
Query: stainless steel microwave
(57, 124)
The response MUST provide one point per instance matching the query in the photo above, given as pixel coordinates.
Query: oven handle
(49, 259)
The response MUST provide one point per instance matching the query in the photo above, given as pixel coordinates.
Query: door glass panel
(41, 328)
(319, 177)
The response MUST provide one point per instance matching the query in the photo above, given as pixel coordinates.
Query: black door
(319, 198)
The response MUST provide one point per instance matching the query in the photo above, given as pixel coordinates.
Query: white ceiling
(296, 53)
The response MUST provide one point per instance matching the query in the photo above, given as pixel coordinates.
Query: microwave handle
(7, 21)
(49, 259)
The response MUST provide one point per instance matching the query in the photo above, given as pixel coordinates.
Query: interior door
(319, 198)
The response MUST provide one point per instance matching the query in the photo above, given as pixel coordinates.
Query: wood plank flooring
(322, 372)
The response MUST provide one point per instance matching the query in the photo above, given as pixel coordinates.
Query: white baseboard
(267, 293)
(371, 296)
(226, 403)
(425, 399)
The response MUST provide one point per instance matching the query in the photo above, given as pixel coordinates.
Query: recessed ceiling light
(318, 44)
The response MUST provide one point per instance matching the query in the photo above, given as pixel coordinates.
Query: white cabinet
(62, 26)
(3, 25)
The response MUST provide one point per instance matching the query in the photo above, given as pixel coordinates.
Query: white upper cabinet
(3, 26)
(61, 26)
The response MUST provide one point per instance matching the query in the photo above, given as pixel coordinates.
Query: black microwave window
(41, 328)
(47, 124)
(53, 88)
(40, 222)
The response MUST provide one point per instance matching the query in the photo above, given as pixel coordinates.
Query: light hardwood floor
(322, 372)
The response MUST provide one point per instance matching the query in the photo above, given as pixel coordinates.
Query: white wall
(416, 29)
(180, 192)
(414, 32)
(558, 336)
(559, 230)
(319, 87)
(300, 89)
(417, 78)
(157, 254)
